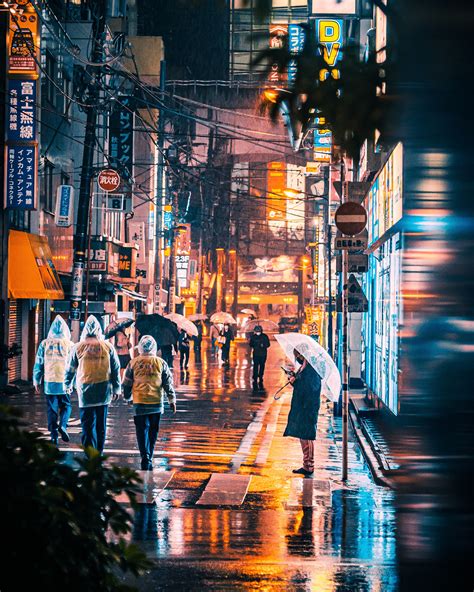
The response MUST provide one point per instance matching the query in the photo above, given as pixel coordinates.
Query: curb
(372, 461)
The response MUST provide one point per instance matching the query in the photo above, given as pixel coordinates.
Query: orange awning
(31, 272)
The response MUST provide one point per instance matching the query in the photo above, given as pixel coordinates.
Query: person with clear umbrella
(303, 416)
(49, 371)
(94, 367)
(147, 379)
(317, 373)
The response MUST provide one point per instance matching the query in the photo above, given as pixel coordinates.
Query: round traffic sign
(351, 218)
(108, 180)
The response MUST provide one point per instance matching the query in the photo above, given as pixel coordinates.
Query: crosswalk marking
(225, 489)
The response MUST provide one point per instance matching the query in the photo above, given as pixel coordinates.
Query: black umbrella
(162, 329)
(118, 327)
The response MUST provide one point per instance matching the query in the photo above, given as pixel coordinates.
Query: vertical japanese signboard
(121, 134)
(330, 37)
(276, 184)
(21, 110)
(21, 149)
(296, 38)
(21, 166)
(277, 34)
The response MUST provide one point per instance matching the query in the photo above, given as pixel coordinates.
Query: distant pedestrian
(49, 371)
(226, 336)
(122, 344)
(147, 378)
(167, 353)
(184, 347)
(303, 416)
(197, 341)
(94, 366)
(214, 334)
(259, 344)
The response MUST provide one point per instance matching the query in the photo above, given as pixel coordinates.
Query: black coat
(303, 416)
(259, 345)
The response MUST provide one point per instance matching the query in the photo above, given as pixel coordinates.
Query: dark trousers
(184, 357)
(258, 368)
(225, 353)
(167, 355)
(146, 428)
(59, 408)
(94, 425)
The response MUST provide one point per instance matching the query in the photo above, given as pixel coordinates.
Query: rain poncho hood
(51, 357)
(92, 328)
(93, 367)
(147, 346)
(59, 329)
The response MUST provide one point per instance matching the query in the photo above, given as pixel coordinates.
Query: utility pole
(172, 281)
(327, 226)
(160, 194)
(85, 189)
(235, 279)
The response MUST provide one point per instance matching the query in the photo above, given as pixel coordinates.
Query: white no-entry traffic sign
(351, 218)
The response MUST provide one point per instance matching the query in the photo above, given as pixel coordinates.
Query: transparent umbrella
(223, 317)
(248, 311)
(266, 325)
(199, 316)
(317, 356)
(183, 323)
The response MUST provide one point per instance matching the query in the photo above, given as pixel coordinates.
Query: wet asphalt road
(287, 533)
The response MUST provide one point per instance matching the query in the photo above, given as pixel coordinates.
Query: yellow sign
(23, 44)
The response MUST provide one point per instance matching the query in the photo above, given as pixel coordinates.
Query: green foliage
(61, 526)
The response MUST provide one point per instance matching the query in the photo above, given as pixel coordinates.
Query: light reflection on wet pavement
(345, 540)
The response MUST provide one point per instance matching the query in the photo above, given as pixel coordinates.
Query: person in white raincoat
(49, 371)
(94, 365)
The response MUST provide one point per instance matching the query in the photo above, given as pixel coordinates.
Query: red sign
(351, 218)
(108, 180)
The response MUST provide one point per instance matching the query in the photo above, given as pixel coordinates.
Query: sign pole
(345, 365)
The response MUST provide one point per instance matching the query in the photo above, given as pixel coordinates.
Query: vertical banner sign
(277, 34)
(296, 37)
(21, 167)
(276, 184)
(121, 133)
(64, 206)
(21, 110)
(330, 37)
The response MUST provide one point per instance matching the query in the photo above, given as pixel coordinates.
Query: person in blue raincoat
(49, 371)
(147, 379)
(303, 416)
(94, 365)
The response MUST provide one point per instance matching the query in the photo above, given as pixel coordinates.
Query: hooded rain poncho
(51, 357)
(95, 366)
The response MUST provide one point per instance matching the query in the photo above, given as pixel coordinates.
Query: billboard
(282, 269)
(121, 133)
(380, 329)
(296, 38)
(384, 202)
(23, 43)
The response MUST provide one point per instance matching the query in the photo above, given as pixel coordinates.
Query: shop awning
(31, 272)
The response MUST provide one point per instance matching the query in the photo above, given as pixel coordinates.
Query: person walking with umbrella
(49, 370)
(259, 344)
(121, 341)
(184, 347)
(226, 337)
(147, 379)
(214, 335)
(303, 416)
(94, 367)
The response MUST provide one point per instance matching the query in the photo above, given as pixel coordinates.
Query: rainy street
(224, 510)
